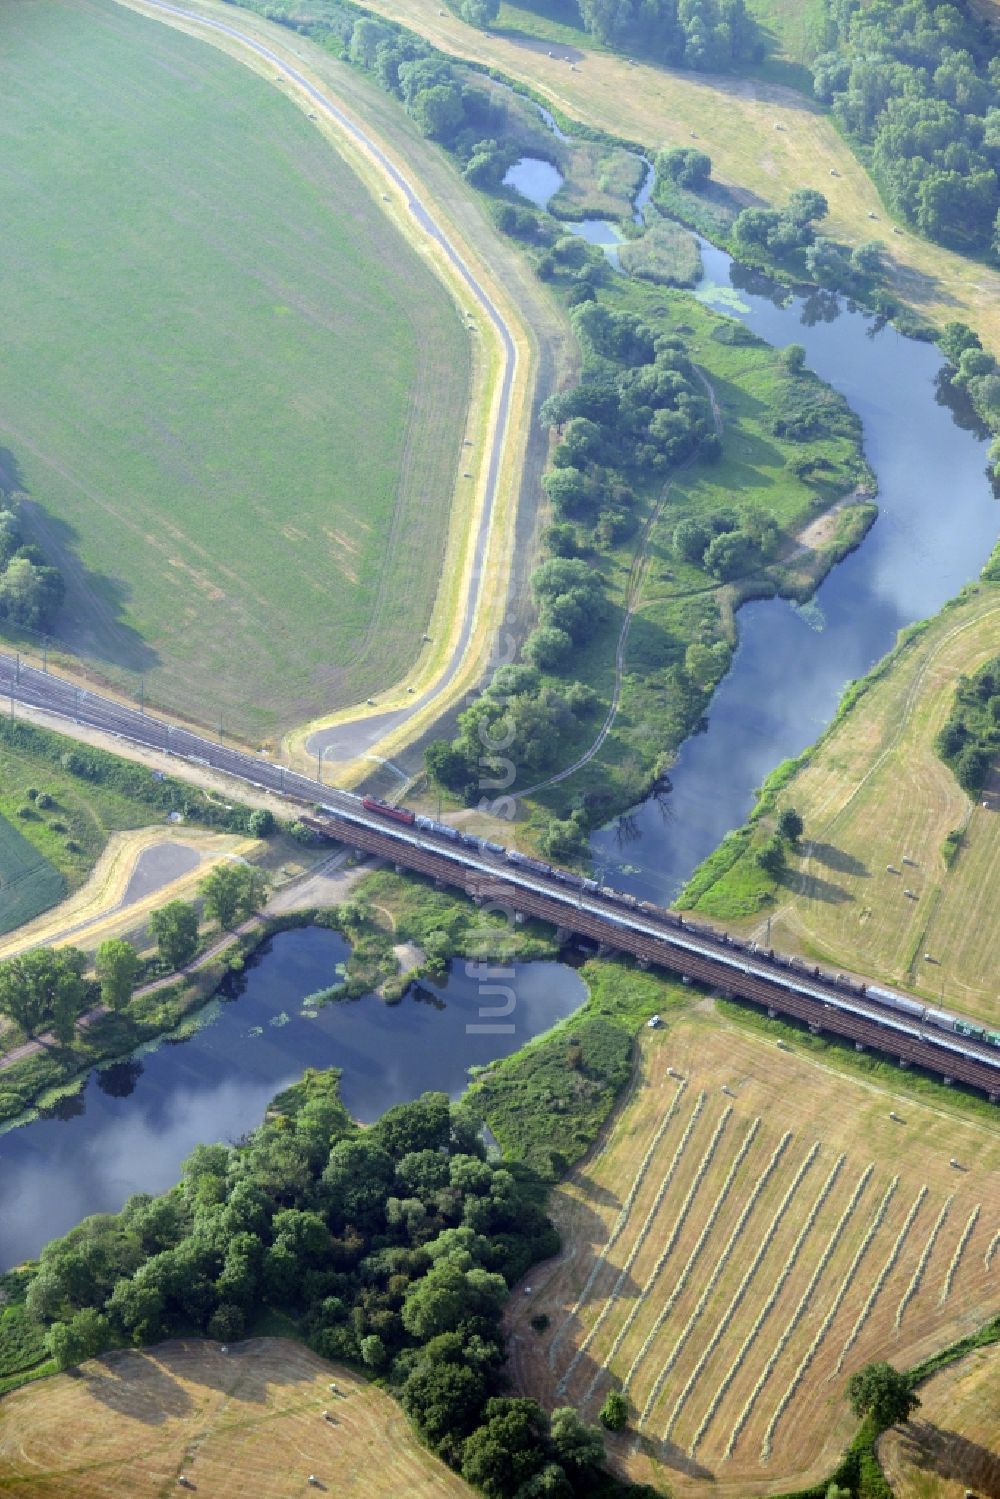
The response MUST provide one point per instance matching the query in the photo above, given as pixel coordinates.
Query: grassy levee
(949, 1447)
(874, 793)
(234, 395)
(545, 356)
(765, 140)
(749, 1229)
(246, 1421)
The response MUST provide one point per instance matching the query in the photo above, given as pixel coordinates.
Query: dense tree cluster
(394, 1247)
(969, 742)
(919, 83)
(640, 407)
(728, 543)
(30, 590)
(700, 34)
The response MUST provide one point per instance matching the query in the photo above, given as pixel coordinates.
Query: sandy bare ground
(246, 1422)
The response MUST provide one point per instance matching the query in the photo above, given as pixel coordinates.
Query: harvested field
(233, 392)
(752, 1230)
(952, 1444)
(876, 794)
(248, 1422)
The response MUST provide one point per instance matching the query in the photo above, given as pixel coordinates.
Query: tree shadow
(154, 1398)
(952, 1456)
(90, 622)
(814, 887)
(837, 858)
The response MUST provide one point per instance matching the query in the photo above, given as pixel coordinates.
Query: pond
(132, 1125)
(539, 181)
(938, 521)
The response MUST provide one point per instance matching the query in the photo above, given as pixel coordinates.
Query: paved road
(349, 740)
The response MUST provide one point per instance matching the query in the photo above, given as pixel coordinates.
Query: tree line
(31, 590)
(918, 86)
(47, 988)
(969, 741)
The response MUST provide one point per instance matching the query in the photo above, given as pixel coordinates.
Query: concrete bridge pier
(605, 950)
(859, 1046)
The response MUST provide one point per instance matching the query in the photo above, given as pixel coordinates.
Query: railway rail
(662, 939)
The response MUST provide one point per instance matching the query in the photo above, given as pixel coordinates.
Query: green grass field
(29, 884)
(233, 394)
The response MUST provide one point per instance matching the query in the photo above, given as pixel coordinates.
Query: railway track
(699, 955)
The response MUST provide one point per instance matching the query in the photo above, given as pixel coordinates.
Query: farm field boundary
(248, 445)
(383, 150)
(800, 1234)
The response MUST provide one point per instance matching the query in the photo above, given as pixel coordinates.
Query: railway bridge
(657, 937)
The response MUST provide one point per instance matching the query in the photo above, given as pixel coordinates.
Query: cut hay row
(678, 1155)
(722, 1326)
(800, 1309)
(959, 1251)
(928, 1250)
(994, 1245)
(640, 1239)
(827, 1323)
(647, 1289)
(882, 1277)
(769, 1304)
(717, 1273)
(621, 1219)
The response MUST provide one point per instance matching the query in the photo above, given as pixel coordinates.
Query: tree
(790, 824)
(771, 856)
(507, 1449)
(84, 1336)
(448, 765)
(577, 1445)
(175, 927)
(690, 540)
(44, 985)
(29, 594)
(882, 1392)
(955, 339)
(479, 12)
(117, 966)
(547, 647)
(793, 358)
(232, 892)
(439, 111)
(614, 1411)
(560, 539)
(260, 822)
(373, 1352)
(728, 555)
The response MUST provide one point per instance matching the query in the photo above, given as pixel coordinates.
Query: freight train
(873, 994)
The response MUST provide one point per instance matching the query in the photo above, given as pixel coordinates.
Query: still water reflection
(938, 521)
(131, 1127)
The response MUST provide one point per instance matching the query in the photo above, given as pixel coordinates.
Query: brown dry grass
(785, 1093)
(763, 138)
(244, 1423)
(952, 1445)
(875, 791)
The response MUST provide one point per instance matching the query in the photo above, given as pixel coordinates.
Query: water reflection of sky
(937, 524)
(110, 1142)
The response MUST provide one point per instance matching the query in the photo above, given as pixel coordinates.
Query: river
(132, 1125)
(938, 521)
